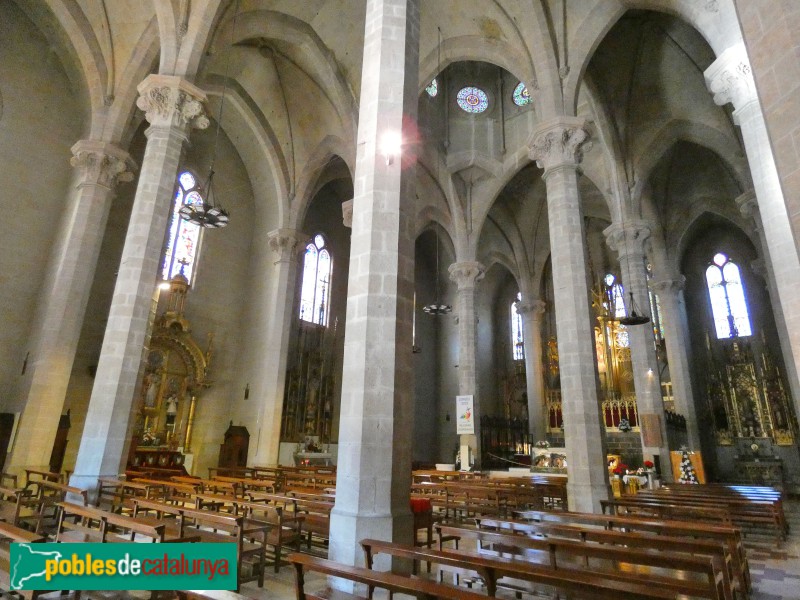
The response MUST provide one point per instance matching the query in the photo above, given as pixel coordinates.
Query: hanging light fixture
(634, 317)
(209, 213)
(437, 308)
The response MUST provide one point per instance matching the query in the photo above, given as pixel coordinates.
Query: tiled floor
(775, 573)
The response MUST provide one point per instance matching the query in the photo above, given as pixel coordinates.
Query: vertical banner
(465, 416)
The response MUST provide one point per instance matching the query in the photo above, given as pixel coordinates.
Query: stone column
(466, 274)
(628, 241)
(748, 206)
(532, 312)
(99, 167)
(730, 80)
(172, 106)
(269, 381)
(376, 420)
(676, 337)
(557, 148)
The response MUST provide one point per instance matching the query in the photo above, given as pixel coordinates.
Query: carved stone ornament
(560, 142)
(284, 242)
(101, 163)
(671, 285)
(748, 205)
(535, 308)
(730, 79)
(172, 101)
(628, 240)
(466, 274)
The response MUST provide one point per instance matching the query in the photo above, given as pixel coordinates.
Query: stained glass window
(521, 96)
(616, 305)
(433, 88)
(728, 304)
(315, 292)
(184, 237)
(472, 100)
(517, 337)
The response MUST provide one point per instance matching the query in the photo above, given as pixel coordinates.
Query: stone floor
(775, 573)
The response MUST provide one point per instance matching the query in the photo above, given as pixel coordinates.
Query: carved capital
(347, 213)
(101, 163)
(668, 285)
(628, 240)
(534, 308)
(759, 268)
(748, 205)
(559, 142)
(284, 243)
(171, 101)
(730, 79)
(466, 274)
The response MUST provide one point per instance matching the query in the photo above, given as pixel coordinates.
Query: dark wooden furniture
(233, 451)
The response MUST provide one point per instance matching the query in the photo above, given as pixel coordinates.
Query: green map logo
(131, 566)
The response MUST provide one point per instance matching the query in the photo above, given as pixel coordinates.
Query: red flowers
(648, 464)
(621, 469)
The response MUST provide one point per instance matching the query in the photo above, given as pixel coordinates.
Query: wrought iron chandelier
(437, 307)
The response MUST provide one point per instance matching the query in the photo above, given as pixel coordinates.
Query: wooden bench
(35, 475)
(491, 570)
(697, 576)
(209, 527)
(395, 584)
(41, 507)
(117, 493)
(9, 534)
(12, 501)
(287, 528)
(729, 536)
(589, 534)
(210, 595)
(92, 524)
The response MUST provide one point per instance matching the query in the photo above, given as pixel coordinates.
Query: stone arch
(696, 216)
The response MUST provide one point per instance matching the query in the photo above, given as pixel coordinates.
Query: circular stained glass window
(521, 96)
(433, 88)
(472, 100)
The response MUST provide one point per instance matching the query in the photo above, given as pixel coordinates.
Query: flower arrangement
(542, 444)
(621, 469)
(648, 464)
(624, 425)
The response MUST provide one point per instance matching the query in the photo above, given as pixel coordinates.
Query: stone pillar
(730, 80)
(466, 274)
(376, 420)
(628, 241)
(99, 167)
(532, 312)
(676, 338)
(748, 206)
(557, 148)
(270, 380)
(172, 106)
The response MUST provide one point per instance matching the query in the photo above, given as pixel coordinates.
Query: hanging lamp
(634, 317)
(209, 213)
(437, 307)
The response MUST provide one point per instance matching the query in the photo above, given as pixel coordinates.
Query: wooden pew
(287, 529)
(12, 501)
(729, 536)
(210, 595)
(493, 569)
(589, 534)
(395, 584)
(42, 507)
(92, 524)
(9, 534)
(117, 493)
(708, 574)
(35, 475)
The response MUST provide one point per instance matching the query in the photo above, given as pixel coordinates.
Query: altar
(322, 459)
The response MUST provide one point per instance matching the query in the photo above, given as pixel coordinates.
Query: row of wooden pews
(757, 511)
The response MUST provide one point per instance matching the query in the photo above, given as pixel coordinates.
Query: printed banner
(465, 421)
(132, 566)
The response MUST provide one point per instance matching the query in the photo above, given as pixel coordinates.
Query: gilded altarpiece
(747, 397)
(310, 385)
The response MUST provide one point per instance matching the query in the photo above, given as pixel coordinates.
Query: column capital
(535, 308)
(168, 100)
(559, 142)
(101, 163)
(284, 242)
(759, 268)
(669, 284)
(748, 204)
(628, 239)
(347, 213)
(466, 274)
(730, 78)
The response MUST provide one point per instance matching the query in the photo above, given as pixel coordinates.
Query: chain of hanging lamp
(208, 213)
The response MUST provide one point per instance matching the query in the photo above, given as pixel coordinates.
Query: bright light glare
(164, 285)
(391, 144)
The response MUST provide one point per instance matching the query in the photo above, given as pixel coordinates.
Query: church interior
(405, 248)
